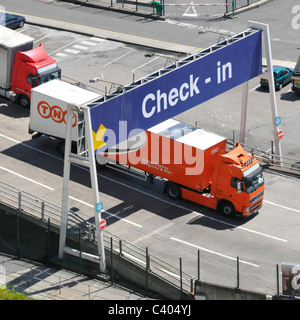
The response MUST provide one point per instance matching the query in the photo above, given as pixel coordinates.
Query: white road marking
(110, 214)
(255, 88)
(156, 197)
(28, 179)
(47, 36)
(124, 55)
(242, 228)
(62, 48)
(79, 47)
(30, 147)
(88, 43)
(141, 66)
(281, 206)
(60, 54)
(71, 51)
(214, 252)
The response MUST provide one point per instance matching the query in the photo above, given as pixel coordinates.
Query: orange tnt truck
(195, 167)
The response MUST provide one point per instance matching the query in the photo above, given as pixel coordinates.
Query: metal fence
(48, 211)
(174, 8)
(291, 165)
(41, 282)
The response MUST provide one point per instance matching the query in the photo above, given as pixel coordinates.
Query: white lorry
(49, 107)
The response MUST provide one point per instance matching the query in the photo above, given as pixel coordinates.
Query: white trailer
(10, 43)
(48, 111)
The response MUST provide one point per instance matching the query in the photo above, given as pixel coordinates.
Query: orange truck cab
(195, 167)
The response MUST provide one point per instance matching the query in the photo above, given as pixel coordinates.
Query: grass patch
(12, 294)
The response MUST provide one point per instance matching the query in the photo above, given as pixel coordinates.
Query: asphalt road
(182, 30)
(141, 214)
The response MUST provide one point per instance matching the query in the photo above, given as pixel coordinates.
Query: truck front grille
(255, 207)
(257, 197)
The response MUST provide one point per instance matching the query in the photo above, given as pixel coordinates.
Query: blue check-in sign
(179, 90)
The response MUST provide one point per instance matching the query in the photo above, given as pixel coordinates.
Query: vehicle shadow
(290, 96)
(133, 195)
(13, 110)
(219, 222)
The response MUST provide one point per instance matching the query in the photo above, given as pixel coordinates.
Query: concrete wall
(39, 241)
(210, 291)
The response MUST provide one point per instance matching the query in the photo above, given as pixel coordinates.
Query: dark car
(12, 21)
(282, 76)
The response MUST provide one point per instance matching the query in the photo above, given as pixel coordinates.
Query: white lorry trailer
(49, 107)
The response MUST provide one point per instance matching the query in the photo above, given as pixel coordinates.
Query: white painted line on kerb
(110, 214)
(214, 252)
(28, 179)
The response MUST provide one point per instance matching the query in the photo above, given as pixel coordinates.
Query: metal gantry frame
(88, 160)
(266, 33)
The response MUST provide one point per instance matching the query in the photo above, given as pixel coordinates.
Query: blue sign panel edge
(178, 90)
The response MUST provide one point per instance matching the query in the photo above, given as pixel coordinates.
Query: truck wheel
(227, 209)
(173, 191)
(24, 101)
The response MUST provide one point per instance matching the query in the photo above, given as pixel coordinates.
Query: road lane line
(47, 36)
(106, 212)
(281, 206)
(214, 252)
(63, 48)
(32, 148)
(141, 66)
(242, 228)
(153, 196)
(28, 179)
(255, 88)
(112, 61)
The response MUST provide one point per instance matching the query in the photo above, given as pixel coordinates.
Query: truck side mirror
(239, 186)
(32, 79)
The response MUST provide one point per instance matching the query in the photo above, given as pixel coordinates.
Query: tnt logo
(54, 112)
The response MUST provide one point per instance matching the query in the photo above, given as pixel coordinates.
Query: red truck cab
(32, 68)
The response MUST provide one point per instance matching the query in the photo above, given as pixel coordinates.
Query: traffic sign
(277, 121)
(280, 134)
(125, 115)
(99, 206)
(102, 224)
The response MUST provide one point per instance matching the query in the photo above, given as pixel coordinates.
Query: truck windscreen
(48, 73)
(254, 181)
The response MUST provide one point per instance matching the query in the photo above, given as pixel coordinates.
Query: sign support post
(244, 112)
(88, 160)
(266, 33)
